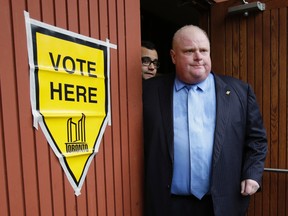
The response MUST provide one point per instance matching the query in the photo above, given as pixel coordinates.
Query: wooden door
(254, 49)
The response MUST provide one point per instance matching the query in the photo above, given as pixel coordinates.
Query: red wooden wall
(31, 179)
(254, 49)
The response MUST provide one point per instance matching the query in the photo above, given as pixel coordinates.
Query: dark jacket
(239, 150)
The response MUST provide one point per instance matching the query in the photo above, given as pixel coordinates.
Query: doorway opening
(161, 18)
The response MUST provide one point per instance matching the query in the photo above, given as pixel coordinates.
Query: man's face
(191, 55)
(149, 70)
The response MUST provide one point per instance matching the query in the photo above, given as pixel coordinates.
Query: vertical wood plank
(12, 147)
(115, 134)
(229, 47)
(251, 52)
(108, 148)
(91, 191)
(3, 172)
(246, 64)
(117, 79)
(134, 87)
(60, 13)
(282, 89)
(101, 188)
(115, 109)
(122, 72)
(274, 105)
(70, 200)
(83, 8)
(235, 48)
(256, 52)
(258, 56)
(266, 107)
(243, 55)
(72, 14)
(47, 8)
(94, 18)
(81, 201)
(27, 145)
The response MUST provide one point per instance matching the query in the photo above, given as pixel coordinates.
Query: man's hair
(148, 45)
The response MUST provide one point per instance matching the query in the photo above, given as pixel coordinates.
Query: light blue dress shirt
(182, 173)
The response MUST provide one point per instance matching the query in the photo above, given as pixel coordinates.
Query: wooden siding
(32, 181)
(254, 49)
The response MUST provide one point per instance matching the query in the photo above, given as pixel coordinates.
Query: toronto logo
(76, 136)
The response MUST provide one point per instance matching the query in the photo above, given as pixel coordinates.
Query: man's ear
(172, 54)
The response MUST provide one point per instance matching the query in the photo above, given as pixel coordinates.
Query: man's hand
(249, 187)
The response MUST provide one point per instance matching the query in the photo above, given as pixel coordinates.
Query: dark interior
(161, 18)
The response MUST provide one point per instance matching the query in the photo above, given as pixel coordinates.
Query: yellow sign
(69, 94)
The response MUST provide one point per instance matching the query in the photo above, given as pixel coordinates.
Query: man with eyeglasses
(150, 62)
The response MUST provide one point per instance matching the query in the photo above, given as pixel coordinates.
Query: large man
(205, 144)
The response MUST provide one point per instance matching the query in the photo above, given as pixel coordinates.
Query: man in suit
(204, 140)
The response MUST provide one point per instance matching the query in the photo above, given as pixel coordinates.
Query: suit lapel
(222, 114)
(166, 105)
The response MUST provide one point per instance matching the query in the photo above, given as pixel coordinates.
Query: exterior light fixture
(246, 8)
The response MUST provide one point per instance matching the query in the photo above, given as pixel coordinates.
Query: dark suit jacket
(239, 150)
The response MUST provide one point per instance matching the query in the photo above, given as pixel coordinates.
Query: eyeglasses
(146, 61)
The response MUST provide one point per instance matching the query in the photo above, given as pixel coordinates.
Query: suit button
(168, 186)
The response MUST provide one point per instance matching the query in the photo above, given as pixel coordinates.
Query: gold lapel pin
(228, 92)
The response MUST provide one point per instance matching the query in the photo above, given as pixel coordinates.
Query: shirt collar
(204, 85)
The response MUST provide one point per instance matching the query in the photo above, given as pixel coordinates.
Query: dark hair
(148, 45)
